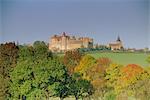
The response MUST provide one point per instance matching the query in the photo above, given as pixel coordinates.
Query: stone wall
(65, 42)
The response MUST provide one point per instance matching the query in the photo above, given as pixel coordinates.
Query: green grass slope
(123, 58)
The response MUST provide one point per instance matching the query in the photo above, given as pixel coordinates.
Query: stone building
(117, 45)
(65, 42)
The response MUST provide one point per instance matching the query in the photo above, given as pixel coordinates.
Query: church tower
(118, 39)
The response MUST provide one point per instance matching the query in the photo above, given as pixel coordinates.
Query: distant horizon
(26, 21)
(47, 42)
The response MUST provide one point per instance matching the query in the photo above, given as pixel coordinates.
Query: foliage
(140, 89)
(8, 60)
(112, 74)
(80, 87)
(97, 48)
(36, 77)
(130, 74)
(71, 60)
(110, 96)
(26, 52)
(85, 64)
(38, 74)
(104, 62)
(3, 87)
(148, 59)
(97, 73)
(39, 50)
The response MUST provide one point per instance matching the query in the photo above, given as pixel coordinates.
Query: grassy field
(124, 58)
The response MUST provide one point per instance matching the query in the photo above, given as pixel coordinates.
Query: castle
(65, 42)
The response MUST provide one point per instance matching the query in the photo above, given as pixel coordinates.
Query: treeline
(103, 48)
(97, 48)
(35, 73)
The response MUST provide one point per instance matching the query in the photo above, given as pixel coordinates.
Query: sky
(26, 21)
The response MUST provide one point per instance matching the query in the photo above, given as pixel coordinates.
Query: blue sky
(29, 20)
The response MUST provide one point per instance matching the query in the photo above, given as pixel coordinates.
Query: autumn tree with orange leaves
(130, 75)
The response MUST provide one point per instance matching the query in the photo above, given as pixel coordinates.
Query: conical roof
(118, 39)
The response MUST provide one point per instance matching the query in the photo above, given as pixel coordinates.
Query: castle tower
(64, 42)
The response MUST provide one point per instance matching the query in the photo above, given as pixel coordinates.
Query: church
(116, 45)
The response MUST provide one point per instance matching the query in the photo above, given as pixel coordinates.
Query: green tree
(38, 75)
(26, 52)
(41, 49)
(80, 87)
(38, 79)
(148, 59)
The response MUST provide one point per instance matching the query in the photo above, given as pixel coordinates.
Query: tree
(38, 75)
(71, 60)
(26, 52)
(148, 59)
(97, 76)
(38, 79)
(112, 75)
(140, 89)
(98, 70)
(8, 60)
(41, 49)
(130, 74)
(3, 87)
(146, 49)
(85, 64)
(80, 87)
(131, 79)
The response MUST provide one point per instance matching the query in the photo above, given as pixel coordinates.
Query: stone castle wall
(65, 42)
